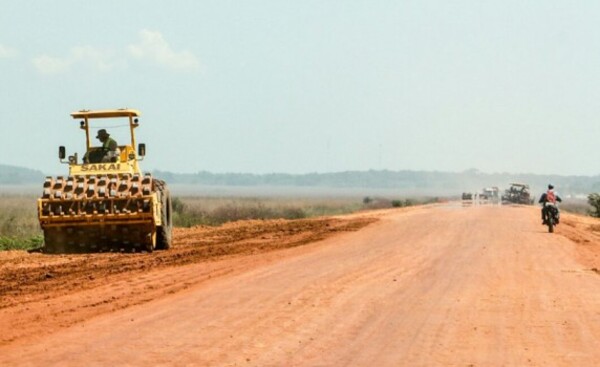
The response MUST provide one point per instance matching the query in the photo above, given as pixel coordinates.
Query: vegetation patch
(594, 201)
(576, 206)
(19, 226)
(15, 243)
(215, 211)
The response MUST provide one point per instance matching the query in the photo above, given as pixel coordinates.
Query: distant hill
(12, 175)
(444, 182)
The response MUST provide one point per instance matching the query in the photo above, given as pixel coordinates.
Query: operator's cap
(102, 133)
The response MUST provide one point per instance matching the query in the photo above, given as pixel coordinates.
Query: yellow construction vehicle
(105, 203)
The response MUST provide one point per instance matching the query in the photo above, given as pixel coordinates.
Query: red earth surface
(440, 285)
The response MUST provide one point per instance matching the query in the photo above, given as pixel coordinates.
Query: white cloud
(6, 52)
(153, 46)
(87, 56)
(50, 65)
(98, 59)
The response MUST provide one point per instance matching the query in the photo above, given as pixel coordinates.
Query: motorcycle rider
(550, 197)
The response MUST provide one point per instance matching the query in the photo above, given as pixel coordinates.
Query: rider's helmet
(550, 187)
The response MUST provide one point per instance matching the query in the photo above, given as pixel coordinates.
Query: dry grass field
(19, 226)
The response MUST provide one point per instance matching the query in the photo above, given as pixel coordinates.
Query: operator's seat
(94, 155)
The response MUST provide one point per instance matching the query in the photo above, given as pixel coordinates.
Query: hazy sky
(309, 86)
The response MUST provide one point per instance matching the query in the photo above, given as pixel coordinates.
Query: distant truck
(517, 193)
(490, 193)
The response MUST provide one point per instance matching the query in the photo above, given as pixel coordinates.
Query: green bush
(293, 213)
(383, 203)
(397, 203)
(15, 243)
(594, 201)
(178, 205)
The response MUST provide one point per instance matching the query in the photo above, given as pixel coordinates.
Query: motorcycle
(552, 216)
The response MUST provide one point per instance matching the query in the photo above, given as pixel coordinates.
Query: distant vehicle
(490, 193)
(517, 193)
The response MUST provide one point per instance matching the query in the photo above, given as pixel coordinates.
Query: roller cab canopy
(87, 115)
(99, 114)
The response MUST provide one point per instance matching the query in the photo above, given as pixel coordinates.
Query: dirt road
(434, 286)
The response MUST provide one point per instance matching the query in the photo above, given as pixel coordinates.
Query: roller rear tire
(164, 233)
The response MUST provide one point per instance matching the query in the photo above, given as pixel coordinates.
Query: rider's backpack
(550, 197)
